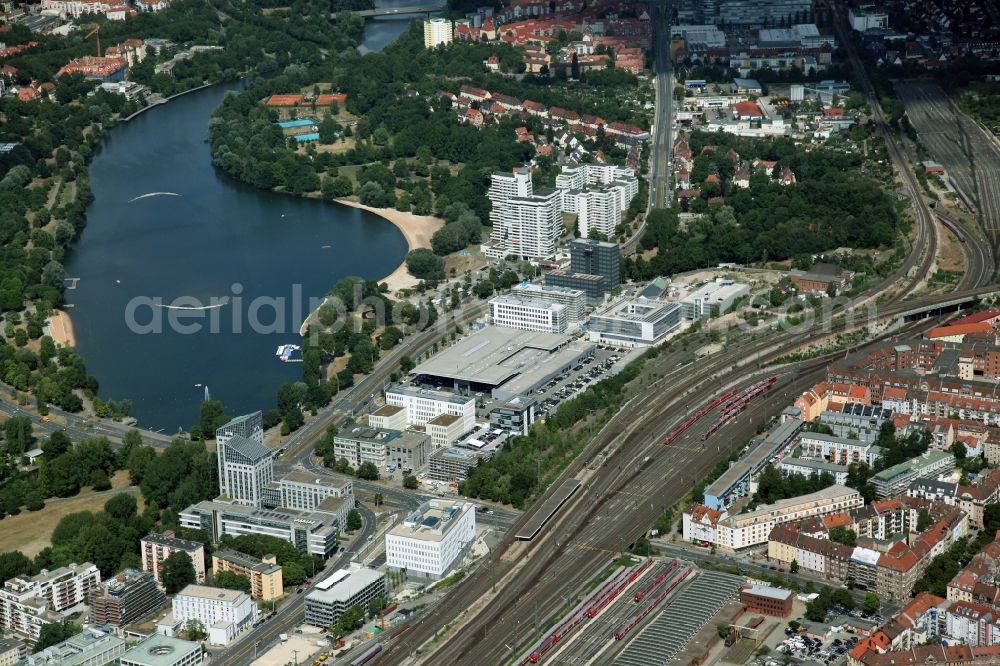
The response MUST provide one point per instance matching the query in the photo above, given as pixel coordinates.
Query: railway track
(971, 159)
(616, 505)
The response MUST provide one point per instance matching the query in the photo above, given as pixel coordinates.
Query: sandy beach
(417, 230)
(61, 329)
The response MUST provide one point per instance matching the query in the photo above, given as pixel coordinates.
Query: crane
(95, 31)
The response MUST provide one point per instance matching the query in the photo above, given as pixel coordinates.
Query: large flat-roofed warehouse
(504, 362)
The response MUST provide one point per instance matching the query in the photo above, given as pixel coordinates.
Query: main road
(663, 125)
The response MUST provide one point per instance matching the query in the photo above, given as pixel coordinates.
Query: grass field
(30, 531)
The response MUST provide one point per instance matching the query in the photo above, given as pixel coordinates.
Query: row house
(924, 655)
(890, 572)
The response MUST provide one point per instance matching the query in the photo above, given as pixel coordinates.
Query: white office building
(431, 539)
(437, 32)
(354, 586)
(225, 614)
(408, 450)
(305, 492)
(91, 647)
(314, 532)
(245, 464)
(509, 311)
(575, 300)
(712, 300)
(636, 323)
(159, 650)
(503, 187)
(422, 405)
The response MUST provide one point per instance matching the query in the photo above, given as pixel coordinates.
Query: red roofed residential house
(475, 94)
(492, 63)
(701, 523)
(473, 117)
(105, 69)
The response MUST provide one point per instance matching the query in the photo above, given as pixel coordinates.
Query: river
(200, 239)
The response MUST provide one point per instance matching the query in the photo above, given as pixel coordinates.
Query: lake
(168, 234)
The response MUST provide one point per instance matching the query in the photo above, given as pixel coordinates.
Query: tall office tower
(596, 258)
(437, 31)
(245, 464)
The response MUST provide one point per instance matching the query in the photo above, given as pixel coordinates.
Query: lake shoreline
(417, 230)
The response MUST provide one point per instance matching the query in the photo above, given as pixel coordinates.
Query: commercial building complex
(635, 323)
(355, 586)
(430, 540)
(224, 613)
(735, 481)
(523, 314)
(156, 548)
(515, 415)
(452, 463)
(422, 405)
(264, 574)
(712, 299)
(159, 650)
(437, 32)
(594, 268)
(444, 430)
(126, 598)
(304, 492)
(408, 450)
(575, 300)
(245, 464)
(91, 647)
(313, 532)
(389, 417)
(503, 362)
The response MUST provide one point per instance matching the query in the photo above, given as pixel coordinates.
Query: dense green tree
(368, 471)
(353, 520)
(844, 535)
(56, 632)
(17, 434)
(410, 482)
(423, 264)
(231, 581)
(178, 572)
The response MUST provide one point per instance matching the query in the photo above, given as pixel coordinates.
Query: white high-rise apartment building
(431, 539)
(528, 315)
(598, 211)
(532, 225)
(505, 186)
(423, 405)
(224, 613)
(437, 31)
(598, 194)
(245, 464)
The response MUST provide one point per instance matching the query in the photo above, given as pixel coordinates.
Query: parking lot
(806, 648)
(562, 388)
